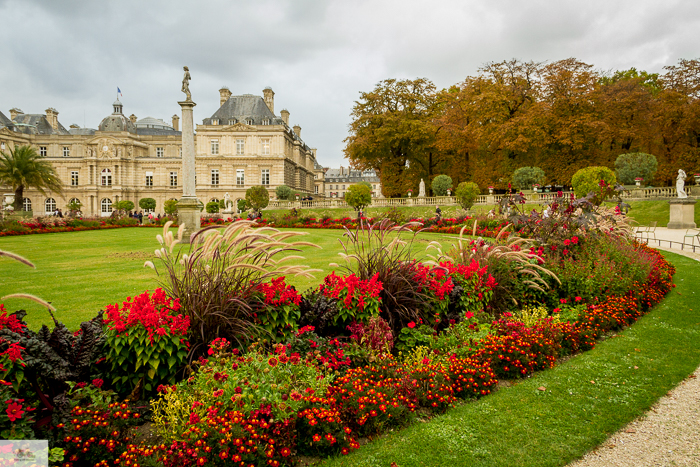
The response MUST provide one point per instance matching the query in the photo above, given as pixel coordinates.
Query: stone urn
(697, 179)
(490, 190)
(638, 181)
(410, 193)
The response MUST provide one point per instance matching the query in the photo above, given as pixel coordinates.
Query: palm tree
(24, 168)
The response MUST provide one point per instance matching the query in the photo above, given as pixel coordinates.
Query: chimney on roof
(269, 96)
(52, 117)
(176, 123)
(75, 126)
(132, 117)
(297, 130)
(224, 94)
(285, 116)
(14, 112)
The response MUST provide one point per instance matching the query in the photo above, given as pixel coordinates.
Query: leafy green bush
(147, 204)
(170, 207)
(284, 192)
(525, 177)
(588, 180)
(633, 165)
(257, 197)
(145, 343)
(212, 207)
(441, 184)
(359, 196)
(124, 205)
(466, 194)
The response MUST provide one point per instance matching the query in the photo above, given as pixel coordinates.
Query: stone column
(682, 215)
(188, 206)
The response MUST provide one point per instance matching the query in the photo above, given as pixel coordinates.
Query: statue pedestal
(188, 213)
(682, 214)
(228, 213)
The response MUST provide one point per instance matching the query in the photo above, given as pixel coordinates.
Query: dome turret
(117, 121)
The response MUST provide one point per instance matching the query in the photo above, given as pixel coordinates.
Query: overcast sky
(316, 55)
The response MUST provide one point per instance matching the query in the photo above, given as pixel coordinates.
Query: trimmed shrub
(588, 180)
(525, 177)
(633, 165)
(467, 193)
(441, 184)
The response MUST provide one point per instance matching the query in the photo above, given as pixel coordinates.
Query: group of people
(139, 215)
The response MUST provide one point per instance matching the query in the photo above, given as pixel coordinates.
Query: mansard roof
(5, 122)
(36, 124)
(243, 108)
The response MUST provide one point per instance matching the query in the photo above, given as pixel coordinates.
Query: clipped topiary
(466, 194)
(633, 165)
(588, 180)
(441, 184)
(525, 177)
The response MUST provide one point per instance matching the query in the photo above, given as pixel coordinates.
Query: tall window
(173, 178)
(43, 152)
(106, 178)
(66, 151)
(240, 176)
(214, 121)
(265, 147)
(159, 152)
(50, 205)
(215, 177)
(74, 178)
(265, 177)
(74, 201)
(266, 121)
(26, 204)
(106, 205)
(316, 189)
(240, 146)
(149, 178)
(215, 147)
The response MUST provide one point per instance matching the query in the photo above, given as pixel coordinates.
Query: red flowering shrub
(16, 415)
(146, 342)
(357, 299)
(279, 314)
(375, 336)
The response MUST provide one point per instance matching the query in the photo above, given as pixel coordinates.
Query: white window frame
(74, 180)
(26, 204)
(105, 206)
(265, 177)
(265, 146)
(240, 147)
(66, 151)
(50, 205)
(43, 151)
(240, 177)
(149, 179)
(215, 177)
(173, 178)
(160, 151)
(106, 177)
(215, 147)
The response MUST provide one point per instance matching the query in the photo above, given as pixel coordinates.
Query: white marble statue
(186, 83)
(680, 184)
(228, 204)
(421, 189)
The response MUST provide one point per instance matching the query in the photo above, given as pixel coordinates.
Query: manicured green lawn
(645, 212)
(587, 398)
(82, 272)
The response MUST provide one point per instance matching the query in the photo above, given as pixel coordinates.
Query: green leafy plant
(278, 311)
(412, 336)
(525, 177)
(284, 192)
(257, 197)
(145, 343)
(633, 165)
(147, 204)
(441, 184)
(359, 196)
(466, 194)
(212, 207)
(170, 207)
(123, 206)
(588, 180)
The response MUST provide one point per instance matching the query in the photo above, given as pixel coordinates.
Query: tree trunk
(19, 198)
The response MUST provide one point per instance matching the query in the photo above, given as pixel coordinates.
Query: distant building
(243, 144)
(337, 181)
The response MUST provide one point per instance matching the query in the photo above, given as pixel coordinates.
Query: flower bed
(313, 372)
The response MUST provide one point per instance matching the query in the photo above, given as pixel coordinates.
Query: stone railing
(531, 198)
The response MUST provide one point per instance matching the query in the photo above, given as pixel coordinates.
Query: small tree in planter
(170, 207)
(629, 167)
(466, 194)
(358, 196)
(147, 204)
(257, 198)
(441, 184)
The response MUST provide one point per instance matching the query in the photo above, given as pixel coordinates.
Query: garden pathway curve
(667, 435)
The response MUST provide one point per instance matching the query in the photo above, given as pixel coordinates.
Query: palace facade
(243, 144)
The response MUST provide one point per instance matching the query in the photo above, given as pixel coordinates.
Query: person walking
(438, 213)
(140, 217)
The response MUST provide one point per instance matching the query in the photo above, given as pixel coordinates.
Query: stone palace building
(243, 144)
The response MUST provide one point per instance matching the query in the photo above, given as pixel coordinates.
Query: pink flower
(562, 300)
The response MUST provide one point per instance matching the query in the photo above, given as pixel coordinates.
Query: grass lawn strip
(587, 397)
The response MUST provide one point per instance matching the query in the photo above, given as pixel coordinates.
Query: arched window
(214, 200)
(107, 178)
(106, 206)
(50, 205)
(26, 204)
(75, 201)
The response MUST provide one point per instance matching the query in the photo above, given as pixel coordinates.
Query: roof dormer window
(232, 121)
(249, 121)
(214, 121)
(266, 121)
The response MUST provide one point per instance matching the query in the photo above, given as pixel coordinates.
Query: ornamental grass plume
(218, 277)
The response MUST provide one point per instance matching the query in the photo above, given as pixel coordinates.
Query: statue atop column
(421, 189)
(186, 83)
(680, 184)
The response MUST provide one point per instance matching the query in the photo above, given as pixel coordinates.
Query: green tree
(74, 206)
(633, 165)
(467, 193)
(147, 204)
(242, 205)
(24, 168)
(212, 207)
(359, 196)
(441, 184)
(525, 177)
(257, 197)
(170, 207)
(588, 180)
(284, 192)
(123, 206)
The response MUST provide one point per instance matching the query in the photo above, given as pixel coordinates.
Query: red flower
(218, 393)
(97, 383)
(272, 361)
(14, 411)
(411, 325)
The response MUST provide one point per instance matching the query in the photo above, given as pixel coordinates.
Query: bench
(646, 230)
(693, 235)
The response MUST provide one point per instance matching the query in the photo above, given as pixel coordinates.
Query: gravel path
(667, 435)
